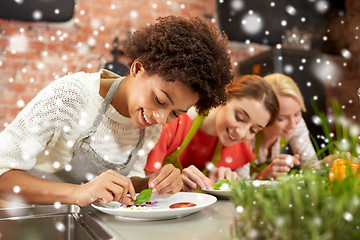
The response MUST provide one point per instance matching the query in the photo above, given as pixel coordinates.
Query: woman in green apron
(212, 147)
(288, 133)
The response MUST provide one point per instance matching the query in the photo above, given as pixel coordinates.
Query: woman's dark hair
(191, 51)
(255, 87)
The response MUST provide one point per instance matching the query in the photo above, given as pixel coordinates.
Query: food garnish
(219, 184)
(143, 197)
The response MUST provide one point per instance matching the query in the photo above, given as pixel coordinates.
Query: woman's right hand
(223, 173)
(280, 165)
(108, 186)
(194, 178)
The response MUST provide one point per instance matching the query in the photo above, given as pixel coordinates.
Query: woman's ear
(136, 67)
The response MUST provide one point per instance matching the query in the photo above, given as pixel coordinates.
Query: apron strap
(283, 143)
(215, 159)
(108, 98)
(84, 137)
(173, 157)
(194, 127)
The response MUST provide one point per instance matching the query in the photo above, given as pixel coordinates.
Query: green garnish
(143, 197)
(219, 183)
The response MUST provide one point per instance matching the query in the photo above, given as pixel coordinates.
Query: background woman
(288, 129)
(214, 147)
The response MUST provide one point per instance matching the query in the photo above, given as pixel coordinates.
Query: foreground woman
(61, 145)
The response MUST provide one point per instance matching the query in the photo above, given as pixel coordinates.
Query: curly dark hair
(191, 51)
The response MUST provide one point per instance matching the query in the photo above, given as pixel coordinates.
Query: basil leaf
(143, 197)
(219, 183)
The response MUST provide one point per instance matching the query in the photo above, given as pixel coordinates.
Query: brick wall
(34, 54)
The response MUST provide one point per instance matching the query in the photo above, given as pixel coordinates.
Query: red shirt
(200, 149)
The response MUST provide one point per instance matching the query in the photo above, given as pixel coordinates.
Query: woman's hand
(280, 165)
(167, 180)
(108, 186)
(193, 178)
(222, 173)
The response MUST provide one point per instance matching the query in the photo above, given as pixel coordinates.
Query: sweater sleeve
(34, 127)
(301, 144)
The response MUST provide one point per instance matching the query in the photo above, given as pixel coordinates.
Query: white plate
(162, 209)
(227, 193)
(219, 193)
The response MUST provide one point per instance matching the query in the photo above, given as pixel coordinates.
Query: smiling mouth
(230, 135)
(145, 117)
(289, 131)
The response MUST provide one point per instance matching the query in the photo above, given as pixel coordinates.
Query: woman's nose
(241, 133)
(292, 123)
(160, 117)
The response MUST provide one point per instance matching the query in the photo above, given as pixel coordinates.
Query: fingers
(187, 188)
(279, 170)
(225, 172)
(286, 160)
(122, 181)
(222, 173)
(168, 180)
(108, 186)
(126, 200)
(188, 183)
(277, 167)
(193, 177)
(106, 197)
(296, 159)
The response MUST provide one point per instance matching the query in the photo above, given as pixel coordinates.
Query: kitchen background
(32, 54)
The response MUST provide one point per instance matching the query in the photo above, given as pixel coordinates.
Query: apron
(173, 158)
(86, 163)
(256, 168)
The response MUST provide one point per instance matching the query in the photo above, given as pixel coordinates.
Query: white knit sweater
(300, 144)
(43, 134)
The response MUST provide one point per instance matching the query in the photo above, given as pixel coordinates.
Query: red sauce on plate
(182, 205)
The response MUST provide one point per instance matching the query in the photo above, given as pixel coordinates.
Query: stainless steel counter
(212, 223)
(40, 222)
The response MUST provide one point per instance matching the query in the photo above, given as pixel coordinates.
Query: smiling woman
(85, 137)
(216, 144)
(270, 145)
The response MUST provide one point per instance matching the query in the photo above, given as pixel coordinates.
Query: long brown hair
(255, 87)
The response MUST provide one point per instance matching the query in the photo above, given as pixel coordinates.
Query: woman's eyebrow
(172, 101)
(168, 96)
(244, 112)
(247, 115)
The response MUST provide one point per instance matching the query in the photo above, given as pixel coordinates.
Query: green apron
(258, 168)
(173, 158)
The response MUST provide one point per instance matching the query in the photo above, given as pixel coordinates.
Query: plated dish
(225, 193)
(160, 207)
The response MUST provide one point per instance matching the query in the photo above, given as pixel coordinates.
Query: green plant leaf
(219, 183)
(143, 197)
